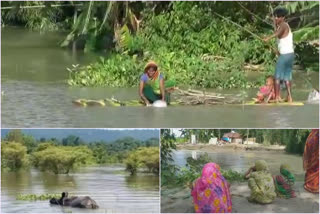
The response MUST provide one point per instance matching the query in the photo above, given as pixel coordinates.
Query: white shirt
(285, 45)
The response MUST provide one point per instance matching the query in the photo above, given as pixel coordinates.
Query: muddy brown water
(242, 160)
(114, 190)
(36, 94)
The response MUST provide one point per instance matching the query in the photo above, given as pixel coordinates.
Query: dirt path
(179, 201)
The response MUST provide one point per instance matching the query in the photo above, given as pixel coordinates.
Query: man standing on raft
(153, 87)
(286, 51)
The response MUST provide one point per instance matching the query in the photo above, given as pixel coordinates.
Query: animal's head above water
(64, 195)
(59, 201)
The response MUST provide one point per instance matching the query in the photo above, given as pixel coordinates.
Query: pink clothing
(265, 90)
(210, 192)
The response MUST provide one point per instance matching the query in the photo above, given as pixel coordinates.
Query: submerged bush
(62, 159)
(143, 158)
(13, 156)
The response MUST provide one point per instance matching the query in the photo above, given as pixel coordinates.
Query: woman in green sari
(153, 87)
(261, 183)
(284, 182)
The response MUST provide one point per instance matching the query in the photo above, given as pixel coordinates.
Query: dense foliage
(13, 156)
(143, 158)
(62, 159)
(168, 169)
(199, 44)
(19, 150)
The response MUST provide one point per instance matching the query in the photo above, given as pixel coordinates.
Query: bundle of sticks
(196, 97)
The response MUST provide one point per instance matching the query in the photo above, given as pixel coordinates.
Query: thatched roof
(232, 135)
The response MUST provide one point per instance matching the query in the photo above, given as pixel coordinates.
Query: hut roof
(232, 135)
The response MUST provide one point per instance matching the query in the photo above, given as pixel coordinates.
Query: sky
(90, 135)
(176, 132)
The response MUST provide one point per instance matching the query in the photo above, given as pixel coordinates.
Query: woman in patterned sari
(261, 183)
(210, 192)
(311, 162)
(284, 182)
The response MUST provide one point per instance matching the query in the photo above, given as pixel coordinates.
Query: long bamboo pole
(245, 29)
(41, 6)
(256, 16)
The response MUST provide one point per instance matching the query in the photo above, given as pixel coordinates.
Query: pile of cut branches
(196, 97)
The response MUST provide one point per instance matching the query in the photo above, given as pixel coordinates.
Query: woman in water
(153, 87)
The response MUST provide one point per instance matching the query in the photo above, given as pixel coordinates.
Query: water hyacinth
(34, 197)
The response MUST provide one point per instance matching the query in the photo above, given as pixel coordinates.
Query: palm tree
(96, 18)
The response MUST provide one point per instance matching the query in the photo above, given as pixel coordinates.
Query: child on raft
(153, 87)
(266, 92)
(285, 47)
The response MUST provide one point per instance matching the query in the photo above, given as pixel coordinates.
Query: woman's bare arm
(162, 90)
(141, 86)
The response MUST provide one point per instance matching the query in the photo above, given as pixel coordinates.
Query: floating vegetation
(34, 197)
(231, 175)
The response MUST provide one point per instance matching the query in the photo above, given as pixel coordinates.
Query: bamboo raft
(106, 102)
(185, 97)
(181, 97)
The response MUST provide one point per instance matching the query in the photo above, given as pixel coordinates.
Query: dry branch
(196, 97)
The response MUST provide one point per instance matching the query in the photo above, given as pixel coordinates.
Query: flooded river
(242, 160)
(114, 190)
(36, 94)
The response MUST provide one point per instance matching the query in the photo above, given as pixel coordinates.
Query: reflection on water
(241, 160)
(113, 190)
(34, 81)
(142, 182)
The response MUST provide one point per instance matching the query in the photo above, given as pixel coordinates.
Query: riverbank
(232, 146)
(179, 201)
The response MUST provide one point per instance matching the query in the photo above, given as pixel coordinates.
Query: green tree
(30, 143)
(72, 141)
(14, 135)
(13, 156)
(145, 157)
(61, 159)
(17, 136)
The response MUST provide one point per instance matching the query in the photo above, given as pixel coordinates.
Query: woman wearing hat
(152, 85)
